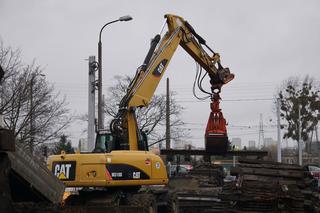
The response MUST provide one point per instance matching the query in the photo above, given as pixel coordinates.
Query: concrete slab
(34, 176)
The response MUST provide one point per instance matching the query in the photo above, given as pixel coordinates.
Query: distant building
(252, 144)
(182, 145)
(83, 145)
(177, 144)
(236, 142)
(268, 142)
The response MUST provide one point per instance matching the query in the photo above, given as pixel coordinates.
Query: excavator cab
(104, 142)
(216, 138)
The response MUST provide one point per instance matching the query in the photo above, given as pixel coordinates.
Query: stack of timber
(209, 175)
(198, 191)
(264, 186)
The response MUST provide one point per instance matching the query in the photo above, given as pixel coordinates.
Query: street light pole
(100, 101)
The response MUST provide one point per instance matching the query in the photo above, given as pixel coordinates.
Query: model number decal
(116, 174)
(127, 172)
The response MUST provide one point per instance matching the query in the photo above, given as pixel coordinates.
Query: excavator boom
(148, 76)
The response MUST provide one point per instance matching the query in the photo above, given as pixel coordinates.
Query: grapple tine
(216, 138)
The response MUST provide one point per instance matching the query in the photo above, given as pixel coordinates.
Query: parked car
(229, 178)
(188, 167)
(314, 171)
(182, 169)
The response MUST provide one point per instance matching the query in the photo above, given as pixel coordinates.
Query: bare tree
(150, 119)
(10, 60)
(29, 104)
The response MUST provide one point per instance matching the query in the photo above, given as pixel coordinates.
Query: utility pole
(318, 144)
(91, 102)
(279, 133)
(299, 137)
(168, 137)
(261, 133)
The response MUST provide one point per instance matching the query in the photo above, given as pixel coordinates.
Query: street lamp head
(125, 18)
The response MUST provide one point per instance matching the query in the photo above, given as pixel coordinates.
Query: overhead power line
(244, 99)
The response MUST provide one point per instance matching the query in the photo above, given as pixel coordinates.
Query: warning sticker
(64, 170)
(157, 165)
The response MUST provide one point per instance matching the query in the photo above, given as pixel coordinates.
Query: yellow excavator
(121, 159)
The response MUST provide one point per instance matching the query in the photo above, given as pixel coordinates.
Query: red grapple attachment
(216, 139)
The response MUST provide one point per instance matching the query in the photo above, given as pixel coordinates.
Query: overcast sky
(262, 42)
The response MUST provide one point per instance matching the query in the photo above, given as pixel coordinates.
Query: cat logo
(136, 175)
(160, 67)
(64, 170)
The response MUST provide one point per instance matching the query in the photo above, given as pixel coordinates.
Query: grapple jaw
(216, 144)
(216, 138)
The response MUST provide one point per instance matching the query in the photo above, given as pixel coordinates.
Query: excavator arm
(141, 89)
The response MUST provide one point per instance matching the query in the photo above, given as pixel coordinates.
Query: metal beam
(204, 153)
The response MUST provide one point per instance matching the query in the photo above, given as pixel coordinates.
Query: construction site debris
(264, 186)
